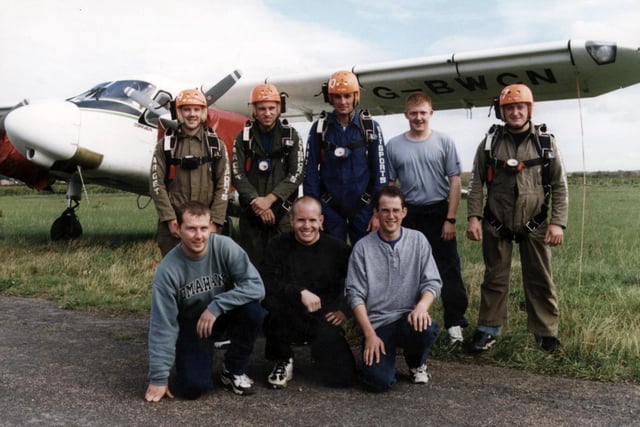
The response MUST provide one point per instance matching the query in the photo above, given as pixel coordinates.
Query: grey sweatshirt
(388, 280)
(183, 288)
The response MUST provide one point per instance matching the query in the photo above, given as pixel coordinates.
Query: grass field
(111, 268)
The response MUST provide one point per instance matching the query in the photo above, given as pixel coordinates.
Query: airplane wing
(107, 134)
(554, 71)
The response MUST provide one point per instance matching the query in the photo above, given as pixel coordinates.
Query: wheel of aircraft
(67, 226)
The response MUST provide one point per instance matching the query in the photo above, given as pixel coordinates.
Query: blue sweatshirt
(183, 288)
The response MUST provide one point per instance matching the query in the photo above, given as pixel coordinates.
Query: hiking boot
(419, 375)
(455, 335)
(481, 341)
(281, 374)
(239, 384)
(548, 344)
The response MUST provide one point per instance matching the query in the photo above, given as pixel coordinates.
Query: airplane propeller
(216, 91)
(212, 94)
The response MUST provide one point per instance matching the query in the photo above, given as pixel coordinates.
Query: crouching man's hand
(156, 392)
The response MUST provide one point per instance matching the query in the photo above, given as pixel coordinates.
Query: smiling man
(426, 164)
(392, 282)
(204, 285)
(345, 163)
(189, 163)
(523, 171)
(304, 274)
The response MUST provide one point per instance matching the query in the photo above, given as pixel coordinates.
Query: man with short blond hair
(426, 164)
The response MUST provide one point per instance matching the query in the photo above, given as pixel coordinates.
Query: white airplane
(107, 134)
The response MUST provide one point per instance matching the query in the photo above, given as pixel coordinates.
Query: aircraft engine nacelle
(13, 164)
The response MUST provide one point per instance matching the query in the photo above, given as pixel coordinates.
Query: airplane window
(91, 93)
(151, 116)
(115, 91)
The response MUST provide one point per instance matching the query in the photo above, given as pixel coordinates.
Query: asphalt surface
(70, 368)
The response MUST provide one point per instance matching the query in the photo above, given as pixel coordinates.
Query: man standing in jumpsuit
(267, 170)
(516, 162)
(189, 165)
(345, 163)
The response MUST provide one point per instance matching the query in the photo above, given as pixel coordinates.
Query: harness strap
(190, 162)
(370, 137)
(543, 147)
(283, 152)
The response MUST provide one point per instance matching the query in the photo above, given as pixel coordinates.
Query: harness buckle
(189, 162)
(366, 198)
(326, 198)
(531, 225)
(286, 205)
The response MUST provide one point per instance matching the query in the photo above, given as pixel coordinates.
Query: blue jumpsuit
(345, 174)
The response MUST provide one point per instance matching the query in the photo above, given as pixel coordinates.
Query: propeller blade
(216, 91)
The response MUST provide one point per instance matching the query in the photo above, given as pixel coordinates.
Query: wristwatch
(451, 220)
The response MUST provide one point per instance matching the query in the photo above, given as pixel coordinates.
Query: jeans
(381, 376)
(194, 355)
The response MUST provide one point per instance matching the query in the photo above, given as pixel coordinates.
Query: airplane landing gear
(67, 226)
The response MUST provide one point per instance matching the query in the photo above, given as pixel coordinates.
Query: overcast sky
(56, 49)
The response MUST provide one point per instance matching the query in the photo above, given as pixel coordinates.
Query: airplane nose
(45, 132)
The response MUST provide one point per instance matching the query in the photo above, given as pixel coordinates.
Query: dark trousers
(429, 220)
(342, 224)
(381, 376)
(334, 362)
(194, 355)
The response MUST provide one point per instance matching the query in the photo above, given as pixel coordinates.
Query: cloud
(59, 49)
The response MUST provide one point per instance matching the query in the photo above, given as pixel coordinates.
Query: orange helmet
(265, 92)
(191, 97)
(342, 82)
(514, 94)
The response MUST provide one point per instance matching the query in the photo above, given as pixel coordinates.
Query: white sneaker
(281, 374)
(455, 335)
(420, 375)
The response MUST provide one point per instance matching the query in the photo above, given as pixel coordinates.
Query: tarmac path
(70, 368)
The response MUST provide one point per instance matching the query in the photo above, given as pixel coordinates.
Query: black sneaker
(481, 341)
(548, 344)
(239, 384)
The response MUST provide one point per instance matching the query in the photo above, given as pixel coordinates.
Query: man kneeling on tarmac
(304, 272)
(204, 285)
